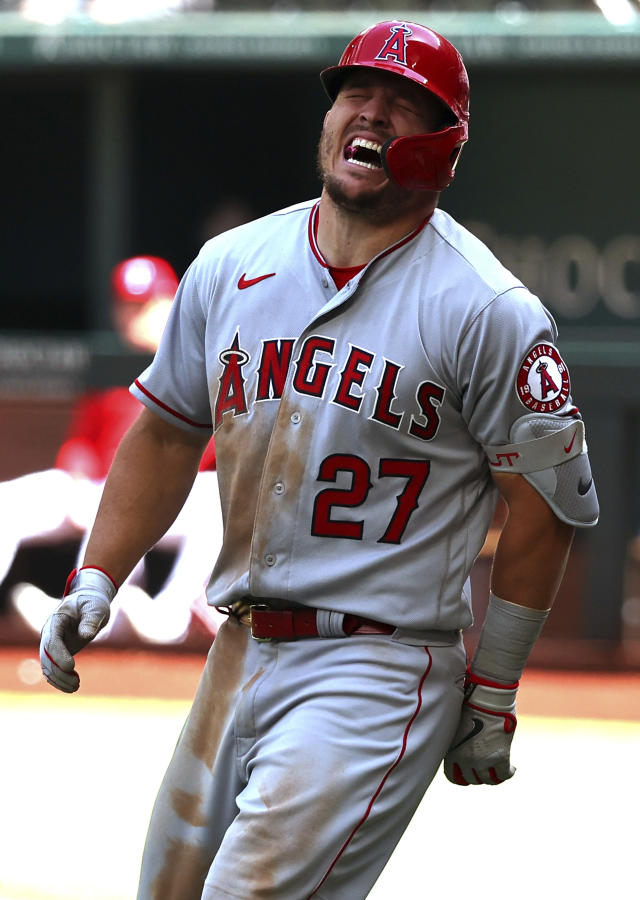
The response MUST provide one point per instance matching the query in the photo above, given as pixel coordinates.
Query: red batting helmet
(143, 278)
(419, 161)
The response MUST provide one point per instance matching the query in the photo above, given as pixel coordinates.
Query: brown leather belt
(290, 624)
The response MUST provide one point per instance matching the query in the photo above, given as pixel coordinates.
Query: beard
(375, 204)
(365, 203)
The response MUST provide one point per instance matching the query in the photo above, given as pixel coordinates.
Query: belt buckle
(262, 607)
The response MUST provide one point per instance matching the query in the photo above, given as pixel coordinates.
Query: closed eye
(408, 108)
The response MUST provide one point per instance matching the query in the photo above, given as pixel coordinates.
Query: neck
(349, 239)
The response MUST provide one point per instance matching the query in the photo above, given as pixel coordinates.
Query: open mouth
(360, 152)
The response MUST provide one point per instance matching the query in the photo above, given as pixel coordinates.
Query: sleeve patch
(542, 383)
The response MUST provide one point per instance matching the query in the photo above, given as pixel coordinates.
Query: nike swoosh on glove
(480, 750)
(83, 611)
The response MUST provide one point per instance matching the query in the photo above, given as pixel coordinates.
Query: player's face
(371, 108)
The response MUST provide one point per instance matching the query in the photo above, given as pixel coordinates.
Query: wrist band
(506, 640)
(91, 577)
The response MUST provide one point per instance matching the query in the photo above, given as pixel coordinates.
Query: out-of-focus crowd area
(127, 151)
(122, 10)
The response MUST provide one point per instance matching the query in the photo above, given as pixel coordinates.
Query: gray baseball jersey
(350, 424)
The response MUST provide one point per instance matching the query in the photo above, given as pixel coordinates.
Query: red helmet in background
(143, 278)
(420, 161)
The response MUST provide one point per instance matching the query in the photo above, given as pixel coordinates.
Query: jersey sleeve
(517, 404)
(175, 384)
(508, 367)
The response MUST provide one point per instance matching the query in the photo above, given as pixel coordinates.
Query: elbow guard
(551, 453)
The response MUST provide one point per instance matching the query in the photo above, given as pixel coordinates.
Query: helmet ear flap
(424, 162)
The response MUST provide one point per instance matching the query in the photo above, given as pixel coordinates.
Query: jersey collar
(313, 241)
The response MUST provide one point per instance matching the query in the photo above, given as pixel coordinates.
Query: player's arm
(533, 437)
(528, 567)
(148, 483)
(533, 549)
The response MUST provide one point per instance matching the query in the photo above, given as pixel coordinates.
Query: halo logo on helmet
(395, 47)
(407, 50)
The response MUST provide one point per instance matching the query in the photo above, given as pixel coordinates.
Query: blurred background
(140, 129)
(131, 133)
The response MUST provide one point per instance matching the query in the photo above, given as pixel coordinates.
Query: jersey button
(278, 488)
(296, 418)
(270, 559)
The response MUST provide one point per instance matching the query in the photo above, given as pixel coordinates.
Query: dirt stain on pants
(180, 847)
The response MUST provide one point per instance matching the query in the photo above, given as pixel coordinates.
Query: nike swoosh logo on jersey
(478, 725)
(584, 486)
(244, 282)
(568, 449)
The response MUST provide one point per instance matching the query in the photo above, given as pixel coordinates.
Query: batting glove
(479, 753)
(83, 611)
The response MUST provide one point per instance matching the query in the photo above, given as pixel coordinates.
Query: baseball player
(374, 377)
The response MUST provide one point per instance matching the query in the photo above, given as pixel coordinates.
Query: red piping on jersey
(313, 226)
(168, 408)
(384, 779)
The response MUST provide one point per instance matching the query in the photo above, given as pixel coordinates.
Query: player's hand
(479, 752)
(83, 611)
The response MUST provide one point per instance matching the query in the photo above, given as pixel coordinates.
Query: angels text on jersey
(310, 372)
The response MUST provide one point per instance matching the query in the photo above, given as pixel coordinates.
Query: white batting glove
(479, 752)
(83, 611)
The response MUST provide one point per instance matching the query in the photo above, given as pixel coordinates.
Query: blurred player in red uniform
(142, 290)
(62, 502)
